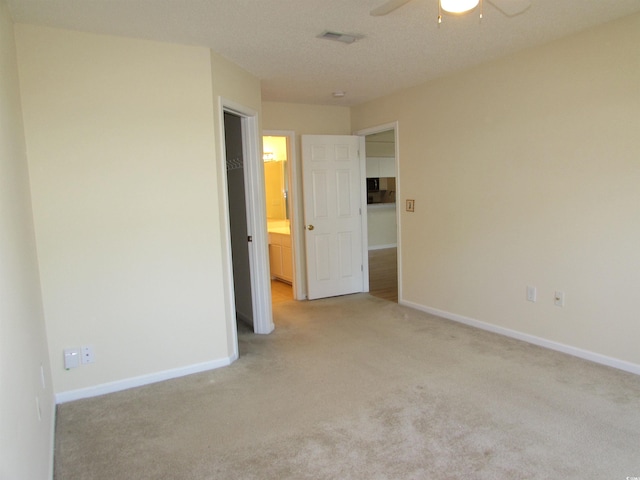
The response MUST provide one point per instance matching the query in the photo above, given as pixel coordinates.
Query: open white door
(333, 196)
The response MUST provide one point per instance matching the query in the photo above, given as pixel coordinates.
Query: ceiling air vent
(340, 37)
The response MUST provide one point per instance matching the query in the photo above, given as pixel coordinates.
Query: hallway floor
(383, 274)
(280, 292)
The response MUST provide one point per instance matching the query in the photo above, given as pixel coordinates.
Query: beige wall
(306, 119)
(26, 442)
(525, 171)
(120, 135)
(233, 83)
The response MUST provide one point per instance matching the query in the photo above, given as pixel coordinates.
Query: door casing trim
(378, 129)
(256, 223)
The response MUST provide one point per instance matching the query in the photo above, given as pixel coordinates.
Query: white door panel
(332, 208)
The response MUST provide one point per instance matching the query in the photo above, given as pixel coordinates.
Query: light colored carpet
(359, 388)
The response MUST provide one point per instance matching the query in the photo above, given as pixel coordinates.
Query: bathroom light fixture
(457, 7)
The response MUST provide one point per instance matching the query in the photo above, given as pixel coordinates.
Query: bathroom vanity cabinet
(280, 256)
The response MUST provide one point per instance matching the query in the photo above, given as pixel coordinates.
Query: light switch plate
(411, 205)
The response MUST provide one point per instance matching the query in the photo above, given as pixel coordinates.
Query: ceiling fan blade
(387, 7)
(511, 8)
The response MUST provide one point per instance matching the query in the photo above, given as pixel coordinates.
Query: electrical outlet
(558, 299)
(87, 355)
(531, 293)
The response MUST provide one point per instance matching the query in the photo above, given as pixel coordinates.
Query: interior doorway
(245, 255)
(277, 192)
(238, 223)
(282, 206)
(382, 211)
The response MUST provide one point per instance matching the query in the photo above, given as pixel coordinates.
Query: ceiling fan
(510, 8)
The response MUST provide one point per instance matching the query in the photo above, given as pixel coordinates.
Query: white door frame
(378, 129)
(256, 221)
(295, 219)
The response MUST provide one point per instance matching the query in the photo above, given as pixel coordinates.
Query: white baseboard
(127, 383)
(525, 337)
(382, 247)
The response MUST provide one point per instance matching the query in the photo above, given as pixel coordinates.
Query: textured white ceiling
(276, 40)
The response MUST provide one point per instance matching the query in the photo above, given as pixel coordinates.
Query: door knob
(310, 227)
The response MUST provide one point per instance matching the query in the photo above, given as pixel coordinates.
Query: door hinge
(362, 268)
(249, 238)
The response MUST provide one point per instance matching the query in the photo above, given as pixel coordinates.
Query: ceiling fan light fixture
(458, 6)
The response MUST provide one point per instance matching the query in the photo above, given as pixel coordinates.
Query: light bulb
(458, 6)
